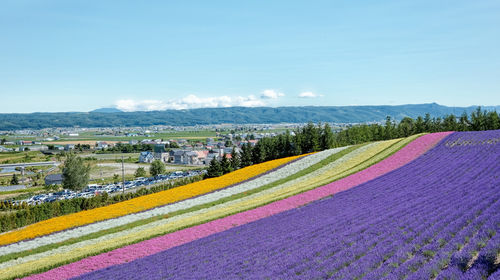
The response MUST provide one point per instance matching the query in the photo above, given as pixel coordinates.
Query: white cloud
(129, 105)
(271, 94)
(309, 94)
(188, 102)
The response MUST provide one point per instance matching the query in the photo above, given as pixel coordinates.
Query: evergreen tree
(246, 155)
(427, 122)
(492, 120)
(379, 132)
(214, 169)
(75, 173)
(235, 159)
(280, 146)
(389, 128)
(258, 153)
(269, 148)
(450, 123)
(478, 120)
(289, 148)
(310, 141)
(464, 122)
(419, 125)
(225, 165)
(436, 124)
(326, 138)
(405, 127)
(297, 141)
(15, 180)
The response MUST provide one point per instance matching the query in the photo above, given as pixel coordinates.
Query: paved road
(12, 188)
(43, 163)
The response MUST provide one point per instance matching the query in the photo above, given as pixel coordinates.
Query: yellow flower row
(353, 162)
(140, 203)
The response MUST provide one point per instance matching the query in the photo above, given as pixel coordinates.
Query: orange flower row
(140, 203)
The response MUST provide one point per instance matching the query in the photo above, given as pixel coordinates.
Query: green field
(18, 157)
(117, 156)
(91, 136)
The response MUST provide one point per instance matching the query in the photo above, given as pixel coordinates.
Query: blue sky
(146, 55)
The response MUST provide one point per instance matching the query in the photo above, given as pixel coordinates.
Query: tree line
(478, 120)
(313, 138)
(309, 138)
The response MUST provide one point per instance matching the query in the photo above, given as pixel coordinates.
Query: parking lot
(95, 189)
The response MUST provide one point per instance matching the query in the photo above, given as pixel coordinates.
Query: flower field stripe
(139, 204)
(323, 158)
(410, 152)
(352, 160)
(208, 228)
(171, 224)
(357, 160)
(403, 225)
(268, 178)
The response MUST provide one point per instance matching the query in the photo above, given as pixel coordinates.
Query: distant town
(33, 158)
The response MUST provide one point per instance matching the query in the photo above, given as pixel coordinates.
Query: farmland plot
(436, 217)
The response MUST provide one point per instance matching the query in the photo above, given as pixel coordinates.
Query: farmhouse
(69, 147)
(209, 158)
(202, 155)
(102, 145)
(160, 153)
(146, 157)
(34, 148)
(186, 157)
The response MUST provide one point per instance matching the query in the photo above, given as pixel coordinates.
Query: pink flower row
(158, 244)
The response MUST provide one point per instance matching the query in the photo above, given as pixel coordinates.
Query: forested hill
(241, 115)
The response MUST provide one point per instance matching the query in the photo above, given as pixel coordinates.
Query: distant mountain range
(111, 117)
(106, 110)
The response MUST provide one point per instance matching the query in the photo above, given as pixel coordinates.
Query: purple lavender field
(437, 217)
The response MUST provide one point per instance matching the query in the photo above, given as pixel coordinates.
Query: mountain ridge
(106, 110)
(236, 115)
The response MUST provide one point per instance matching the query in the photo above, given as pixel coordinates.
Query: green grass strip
(23, 190)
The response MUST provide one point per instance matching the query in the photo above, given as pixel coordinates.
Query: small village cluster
(199, 153)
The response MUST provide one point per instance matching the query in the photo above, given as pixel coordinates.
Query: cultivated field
(423, 207)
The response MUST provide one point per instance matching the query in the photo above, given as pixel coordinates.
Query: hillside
(182, 219)
(422, 207)
(236, 115)
(443, 222)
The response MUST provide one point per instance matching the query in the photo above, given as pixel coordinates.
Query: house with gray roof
(146, 157)
(53, 179)
(186, 157)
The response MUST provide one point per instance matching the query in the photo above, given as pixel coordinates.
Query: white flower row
(327, 169)
(227, 205)
(271, 177)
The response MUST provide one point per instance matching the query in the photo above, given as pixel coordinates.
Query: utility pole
(123, 177)
(22, 173)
